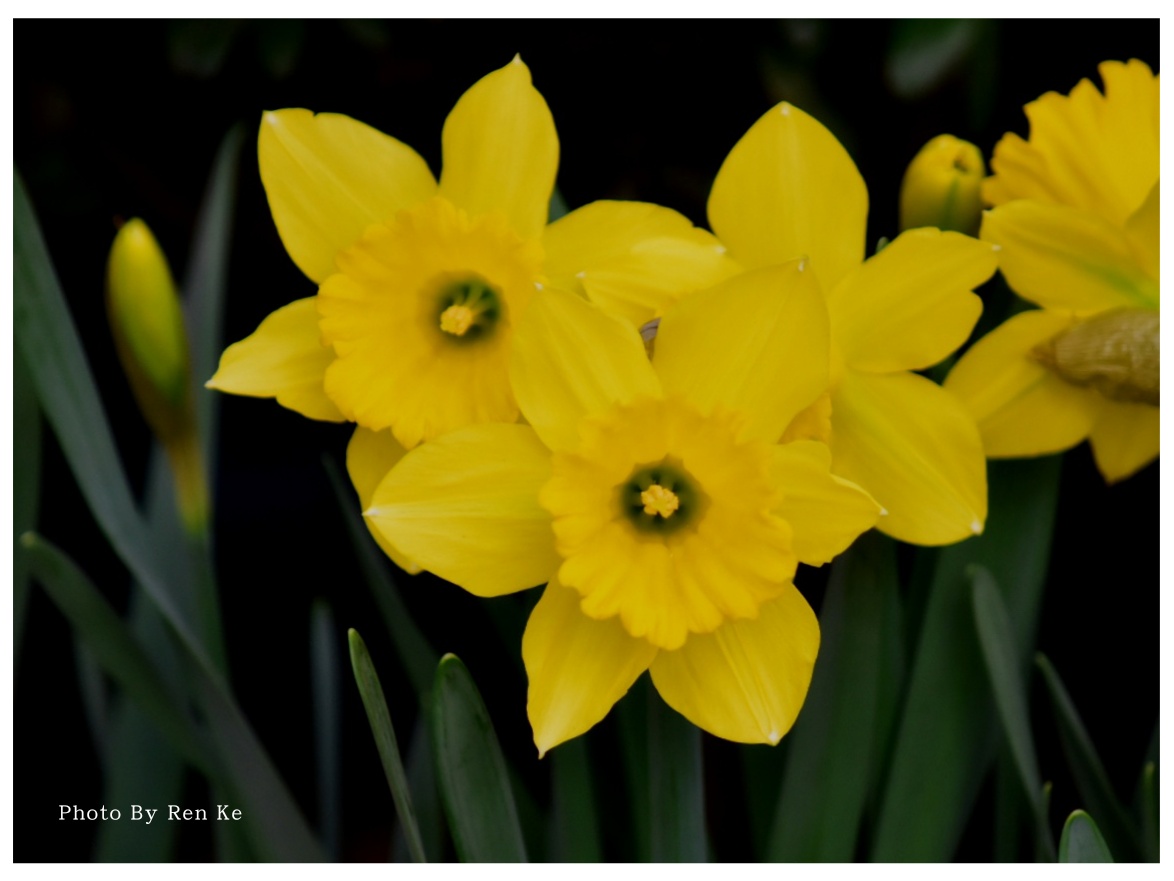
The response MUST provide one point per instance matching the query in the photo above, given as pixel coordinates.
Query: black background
(121, 119)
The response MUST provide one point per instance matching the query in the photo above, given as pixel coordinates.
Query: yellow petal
(757, 344)
(826, 512)
(283, 358)
(911, 305)
(1022, 408)
(328, 176)
(914, 447)
(578, 667)
(465, 506)
(789, 190)
(570, 360)
(369, 456)
(1093, 152)
(633, 258)
(1143, 229)
(1062, 258)
(747, 680)
(1124, 439)
(501, 150)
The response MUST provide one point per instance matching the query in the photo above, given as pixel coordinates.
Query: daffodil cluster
(1076, 221)
(655, 422)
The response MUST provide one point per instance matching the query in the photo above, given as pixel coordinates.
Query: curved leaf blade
(1082, 842)
(381, 728)
(474, 782)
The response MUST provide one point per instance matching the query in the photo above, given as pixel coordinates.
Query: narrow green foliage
(474, 782)
(1091, 780)
(113, 645)
(419, 659)
(574, 829)
(380, 719)
(26, 484)
(1006, 679)
(421, 775)
(1149, 812)
(632, 716)
(947, 732)
(1082, 842)
(324, 687)
(675, 786)
(831, 747)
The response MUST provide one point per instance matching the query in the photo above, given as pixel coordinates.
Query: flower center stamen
(658, 500)
(468, 308)
(456, 320)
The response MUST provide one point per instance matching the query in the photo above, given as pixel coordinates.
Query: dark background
(121, 119)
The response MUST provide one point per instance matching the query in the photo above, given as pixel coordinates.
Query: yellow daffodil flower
(654, 501)
(1077, 223)
(789, 190)
(420, 283)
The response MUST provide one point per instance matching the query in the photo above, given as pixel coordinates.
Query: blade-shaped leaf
(1004, 669)
(380, 719)
(415, 653)
(946, 735)
(324, 686)
(632, 716)
(113, 646)
(474, 782)
(70, 401)
(421, 775)
(206, 281)
(676, 786)
(573, 826)
(26, 484)
(1082, 842)
(1091, 780)
(831, 747)
(1149, 812)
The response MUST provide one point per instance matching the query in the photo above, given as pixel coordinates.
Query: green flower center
(468, 309)
(661, 498)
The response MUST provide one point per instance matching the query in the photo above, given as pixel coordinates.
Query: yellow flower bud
(146, 318)
(942, 187)
(147, 321)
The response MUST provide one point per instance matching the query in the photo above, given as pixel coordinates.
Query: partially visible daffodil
(655, 502)
(146, 318)
(789, 190)
(421, 283)
(942, 186)
(1077, 222)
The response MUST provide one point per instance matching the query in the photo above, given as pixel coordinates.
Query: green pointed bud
(147, 321)
(942, 187)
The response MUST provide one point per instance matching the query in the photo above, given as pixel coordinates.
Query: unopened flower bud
(1116, 353)
(147, 321)
(942, 187)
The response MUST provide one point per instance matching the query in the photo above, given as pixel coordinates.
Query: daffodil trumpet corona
(421, 282)
(1076, 219)
(653, 500)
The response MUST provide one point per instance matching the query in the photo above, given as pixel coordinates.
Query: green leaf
(1149, 812)
(418, 657)
(1091, 780)
(324, 687)
(113, 646)
(676, 786)
(558, 206)
(632, 716)
(70, 401)
(1004, 669)
(947, 732)
(474, 782)
(380, 719)
(832, 745)
(205, 284)
(421, 774)
(925, 52)
(26, 484)
(1082, 842)
(574, 828)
